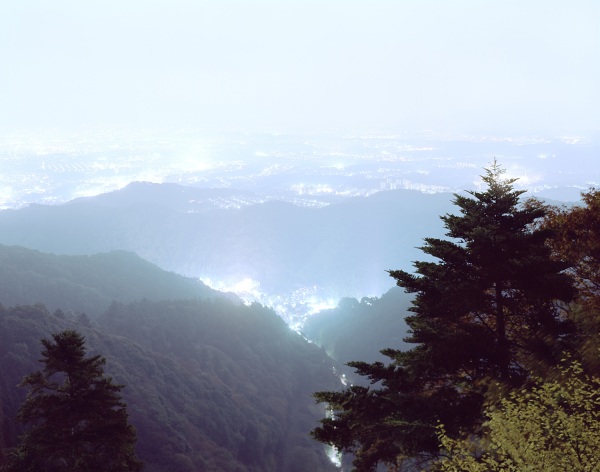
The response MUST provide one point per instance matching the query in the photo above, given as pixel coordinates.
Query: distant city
(307, 170)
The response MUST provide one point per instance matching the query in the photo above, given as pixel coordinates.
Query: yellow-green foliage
(555, 426)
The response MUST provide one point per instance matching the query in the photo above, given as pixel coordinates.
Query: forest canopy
(211, 385)
(77, 419)
(502, 326)
(504, 297)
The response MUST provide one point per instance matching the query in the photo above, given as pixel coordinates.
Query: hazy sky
(480, 66)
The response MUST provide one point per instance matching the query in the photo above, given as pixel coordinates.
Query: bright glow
(293, 307)
(247, 289)
(247, 286)
(195, 157)
(93, 188)
(6, 195)
(316, 305)
(573, 139)
(334, 456)
(193, 166)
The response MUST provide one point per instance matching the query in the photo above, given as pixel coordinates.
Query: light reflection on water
(333, 454)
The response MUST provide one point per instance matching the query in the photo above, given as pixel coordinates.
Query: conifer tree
(79, 422)
(486, 309)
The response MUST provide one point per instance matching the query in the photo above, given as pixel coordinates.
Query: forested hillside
(344, 247)
(358, 330)
(500, 327)
(88, 284)
(211, 384)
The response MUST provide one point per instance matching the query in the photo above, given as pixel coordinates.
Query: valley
(271, 217)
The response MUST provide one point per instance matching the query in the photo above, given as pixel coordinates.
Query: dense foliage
(88, 283)
(357, 329)
(551, 426)
(78, 420)
(216, 386)
(211, 385)
(483, 313)
(577, 240)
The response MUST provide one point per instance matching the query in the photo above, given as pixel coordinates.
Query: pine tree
(79, 422)
(486, 309)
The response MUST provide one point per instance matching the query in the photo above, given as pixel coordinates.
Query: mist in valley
(213, 193)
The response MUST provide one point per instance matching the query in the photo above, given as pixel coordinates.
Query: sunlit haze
(293, 102)
(248, 205)
(468, 66)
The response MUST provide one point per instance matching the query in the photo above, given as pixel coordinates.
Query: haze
(460, 66)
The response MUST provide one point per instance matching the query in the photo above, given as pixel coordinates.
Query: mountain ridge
(281, 246)
(89, 283)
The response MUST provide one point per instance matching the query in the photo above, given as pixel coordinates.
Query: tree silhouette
(484, 310)
(79, 422)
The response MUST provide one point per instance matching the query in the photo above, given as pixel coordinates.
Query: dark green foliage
(486, 310)
(490, 300)
(576, 238)
(211, 385)
(88, 283)
(79, 422)
(248, 385)
(358, 330)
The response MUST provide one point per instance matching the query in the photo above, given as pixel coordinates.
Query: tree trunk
(501, 333)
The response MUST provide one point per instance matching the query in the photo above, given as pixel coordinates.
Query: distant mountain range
(305, 169)
(344, 248)
(89, 284)
(212, 384)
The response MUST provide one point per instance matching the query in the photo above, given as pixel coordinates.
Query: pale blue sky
(524, 66)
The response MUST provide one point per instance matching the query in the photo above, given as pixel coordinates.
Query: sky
(525, 66)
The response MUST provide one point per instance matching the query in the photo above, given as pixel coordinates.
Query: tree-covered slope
(344, 247)
(88, 283)
(210, 385)
(359, 330)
